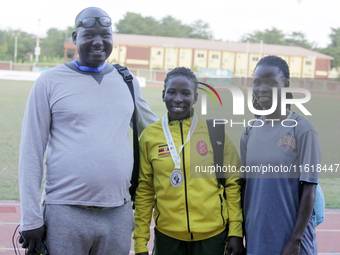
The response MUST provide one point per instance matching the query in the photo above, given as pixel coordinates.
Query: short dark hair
(273, 60)
(182, 71)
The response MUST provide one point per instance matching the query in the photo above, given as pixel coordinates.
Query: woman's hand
(235, 246)
(291, 248)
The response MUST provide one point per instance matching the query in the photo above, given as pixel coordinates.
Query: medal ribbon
(290, 115)
(89, 69)
(173, 152)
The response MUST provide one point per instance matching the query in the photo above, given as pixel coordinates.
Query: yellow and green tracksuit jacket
(195, 210)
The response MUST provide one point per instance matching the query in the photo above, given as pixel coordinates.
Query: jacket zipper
(156, 221)
(222, 208)
(185, 182)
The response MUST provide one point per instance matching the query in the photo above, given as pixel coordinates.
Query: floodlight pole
(37, 48)
(15, 47)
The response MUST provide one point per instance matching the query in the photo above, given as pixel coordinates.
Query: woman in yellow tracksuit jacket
(191, 214)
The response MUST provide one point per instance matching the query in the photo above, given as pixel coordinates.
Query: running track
(328, 233)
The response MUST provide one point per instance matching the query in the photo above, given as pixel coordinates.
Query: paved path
(328, 233)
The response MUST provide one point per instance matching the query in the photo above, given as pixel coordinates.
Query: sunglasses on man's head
(91, 21)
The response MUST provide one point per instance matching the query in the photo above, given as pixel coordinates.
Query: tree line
(52, 46)
(52, 49)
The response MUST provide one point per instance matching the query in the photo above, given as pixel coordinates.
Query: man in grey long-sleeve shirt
(79, 113)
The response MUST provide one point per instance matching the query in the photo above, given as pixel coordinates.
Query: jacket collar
(185, 122)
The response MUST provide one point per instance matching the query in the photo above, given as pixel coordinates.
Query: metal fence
(10, 65)
(158, 76)
(313, 85)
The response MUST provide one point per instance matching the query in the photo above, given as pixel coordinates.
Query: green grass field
(13, 96)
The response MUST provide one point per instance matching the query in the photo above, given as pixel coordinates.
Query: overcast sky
(229, 20)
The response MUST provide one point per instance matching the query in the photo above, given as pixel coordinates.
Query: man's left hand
(31, 239)
(235, 246)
